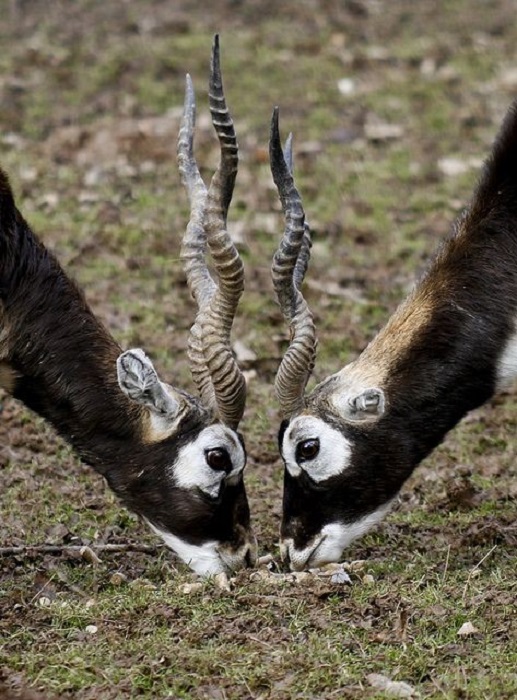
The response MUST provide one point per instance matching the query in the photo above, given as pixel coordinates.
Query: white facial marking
(328, 546)
(190, 470)
(334, 449)
(507, 364)
(206, 559)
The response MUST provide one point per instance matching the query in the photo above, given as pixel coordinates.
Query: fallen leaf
(221, 581)
(393, 689)
(188, 588)
(301, 576)
(467, 630)
(340, 577)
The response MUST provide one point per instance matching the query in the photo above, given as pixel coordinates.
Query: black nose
(248, 559)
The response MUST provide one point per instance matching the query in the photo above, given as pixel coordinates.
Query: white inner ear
(335, 451)
(138, 380)
(190, 469)
(361, 405)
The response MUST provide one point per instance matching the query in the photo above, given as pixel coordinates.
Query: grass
(444, 557)
(318, 646)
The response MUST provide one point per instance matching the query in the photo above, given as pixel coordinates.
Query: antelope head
(332, 489)
(199, 506)
(349, 445)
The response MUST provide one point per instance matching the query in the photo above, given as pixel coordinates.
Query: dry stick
(473, 571)
(446, 564)
(80, 549)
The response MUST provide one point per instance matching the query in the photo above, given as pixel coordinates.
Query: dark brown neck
(442, 349)
(63, 359)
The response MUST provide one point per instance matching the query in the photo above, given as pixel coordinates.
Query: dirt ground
(393, 106)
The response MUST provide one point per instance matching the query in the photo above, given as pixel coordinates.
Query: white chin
(328, 546)
(322, 550)
(203, 559)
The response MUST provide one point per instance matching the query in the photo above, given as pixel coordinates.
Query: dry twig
(60, 549)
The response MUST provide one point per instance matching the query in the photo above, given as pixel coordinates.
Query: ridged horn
(214, 369)
(193, 248)
(228, 381)
(288, 270)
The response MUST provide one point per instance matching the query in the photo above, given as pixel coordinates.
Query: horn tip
(215, 81)
(189, 104)
(274, 123)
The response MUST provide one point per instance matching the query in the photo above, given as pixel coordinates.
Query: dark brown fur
(436, 359)
(58, 359)
(62, 356)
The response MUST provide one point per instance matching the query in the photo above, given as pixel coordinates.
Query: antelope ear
(369, 405)
(138, 380)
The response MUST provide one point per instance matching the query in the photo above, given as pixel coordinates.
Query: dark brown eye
(219, 459)
(308, 449)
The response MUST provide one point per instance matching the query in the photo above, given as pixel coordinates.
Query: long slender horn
(304, 255)
(288, 270)
(193, 249)
(227, 379)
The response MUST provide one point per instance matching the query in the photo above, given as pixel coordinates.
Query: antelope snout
(242, 557)
(299, 559)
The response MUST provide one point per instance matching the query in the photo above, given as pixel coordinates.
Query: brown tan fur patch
(8, 377)
(373, 365)
(158, 428)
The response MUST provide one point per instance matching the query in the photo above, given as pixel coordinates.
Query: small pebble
(222, 582)
(260, 575)
(346, 86)
(118, 578)
(91, 629)
(89, 555)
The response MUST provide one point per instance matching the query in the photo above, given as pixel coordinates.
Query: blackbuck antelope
(351, 443)
(175, 459)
